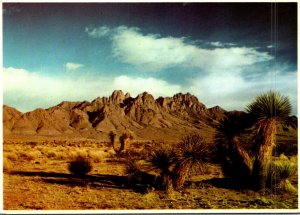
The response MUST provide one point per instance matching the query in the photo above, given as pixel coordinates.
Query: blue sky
(225, 54)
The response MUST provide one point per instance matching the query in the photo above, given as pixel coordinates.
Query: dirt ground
(36, 177)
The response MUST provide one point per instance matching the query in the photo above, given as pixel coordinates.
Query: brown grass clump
(7, 164)
(29, 156)
(279, 173)
(12, 156)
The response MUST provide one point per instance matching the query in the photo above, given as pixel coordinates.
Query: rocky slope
(150, 119)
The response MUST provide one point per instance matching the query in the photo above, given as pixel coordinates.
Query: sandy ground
(36, 177)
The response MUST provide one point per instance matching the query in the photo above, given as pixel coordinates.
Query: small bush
(80, 166)
(12, 156)
(279, 173)
(29, 156)
(7, 164)
(281, 170)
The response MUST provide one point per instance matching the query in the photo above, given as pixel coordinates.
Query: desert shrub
(80, 166)
(96, 156)
(12, 156)
(134, 171)
(191, 154)
(7, 164)
(163, 159)
(279, 173)
(29, 156)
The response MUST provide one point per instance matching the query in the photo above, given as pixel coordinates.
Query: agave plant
(268, 110)
(191, 154)
(162, 159)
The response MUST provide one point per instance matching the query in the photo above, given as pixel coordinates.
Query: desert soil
(36, 177)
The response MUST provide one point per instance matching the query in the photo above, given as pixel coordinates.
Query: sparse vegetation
(46, 184)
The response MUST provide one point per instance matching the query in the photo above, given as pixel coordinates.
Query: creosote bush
(80, 166)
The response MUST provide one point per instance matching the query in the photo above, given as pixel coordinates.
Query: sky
(226, 54)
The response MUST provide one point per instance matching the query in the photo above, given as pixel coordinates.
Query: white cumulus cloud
(152, 52)
(136, 85)
(98, 32)
(73, 66)
(233, 92)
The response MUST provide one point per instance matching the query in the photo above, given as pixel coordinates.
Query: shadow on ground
(94, 181)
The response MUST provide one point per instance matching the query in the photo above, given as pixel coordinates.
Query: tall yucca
(163, 158)
(192, 153)
(235, 160)
(267, 110)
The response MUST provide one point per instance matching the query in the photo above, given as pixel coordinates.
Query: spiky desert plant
(234, 158)
(279, 173)
(125, 140)
(136, 174)
(192, 153)
(163, 158)
(80, 166)
(267, 109)
(112, 136)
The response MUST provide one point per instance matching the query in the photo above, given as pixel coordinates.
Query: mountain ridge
(164, 118)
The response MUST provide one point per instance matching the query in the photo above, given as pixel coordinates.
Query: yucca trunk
(181, 172)
(124, 143)
(167, 182)
(265, 143)
(242, 158)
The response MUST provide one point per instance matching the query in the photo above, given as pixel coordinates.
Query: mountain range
(164, 118)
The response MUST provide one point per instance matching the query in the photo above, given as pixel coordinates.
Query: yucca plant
(112, 136)
(192, 152)
(267, 110)
(163, 158)
(125, 140)
(235, 160)
(137, 174)
(133, 170)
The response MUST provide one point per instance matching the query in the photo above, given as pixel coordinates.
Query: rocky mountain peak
(117, 97)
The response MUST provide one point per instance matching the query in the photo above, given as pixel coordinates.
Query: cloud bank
(27, 90)
(155, 53)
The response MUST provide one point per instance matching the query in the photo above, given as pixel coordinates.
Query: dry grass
(7, 164)
(45, 183)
